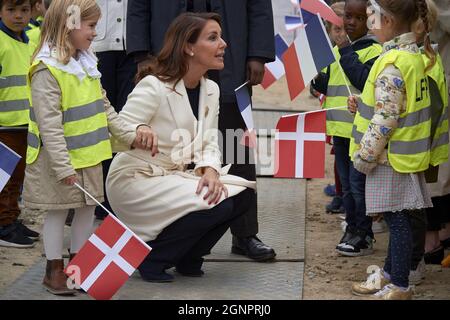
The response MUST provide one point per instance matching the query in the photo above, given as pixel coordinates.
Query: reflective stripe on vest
(339, 122)
(84, 121)
(439, 116)
(14, 90)
(410, 143)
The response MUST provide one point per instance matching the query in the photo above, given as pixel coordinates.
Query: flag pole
(242, 85)
(338, 62)
(314, 111)
(90, 196)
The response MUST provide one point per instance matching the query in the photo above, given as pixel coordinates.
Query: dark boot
(55, 280)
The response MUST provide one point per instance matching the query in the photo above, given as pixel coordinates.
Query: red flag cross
(107, 259)
(300, 146)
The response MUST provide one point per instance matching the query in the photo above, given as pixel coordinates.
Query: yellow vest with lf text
(439, 111)
(340, 122)
(15, 58)
(83, 119)
(409, 145)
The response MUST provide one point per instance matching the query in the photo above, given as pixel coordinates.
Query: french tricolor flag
(293, 22)
(8, 162)
(275, 70)
(322, 8)
(245, 105)
(310, 53)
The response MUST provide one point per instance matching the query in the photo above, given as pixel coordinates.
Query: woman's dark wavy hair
(171, 64)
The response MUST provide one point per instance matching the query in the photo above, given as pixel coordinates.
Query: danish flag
(300, 146)
(107, 259)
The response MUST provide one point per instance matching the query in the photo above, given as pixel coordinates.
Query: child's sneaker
(330, 190)
(360, 245)
(379, 226)
(416, 276)
(392, 292)
(373, 284)
(335, 206)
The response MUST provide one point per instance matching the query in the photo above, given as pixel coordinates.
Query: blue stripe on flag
(280, 46)
(307, 16)
(8, 159)
(321, 49)
(243, 98)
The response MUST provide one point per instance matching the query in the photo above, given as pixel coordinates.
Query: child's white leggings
(82, 227)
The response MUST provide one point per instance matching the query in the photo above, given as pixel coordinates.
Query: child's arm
(356, 71)
(46, 97)
(139, 109)
(390, 97)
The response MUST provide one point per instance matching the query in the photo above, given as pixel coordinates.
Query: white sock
(82, 225)
(53, 233)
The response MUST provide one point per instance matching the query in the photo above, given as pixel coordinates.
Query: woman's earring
(192, 54)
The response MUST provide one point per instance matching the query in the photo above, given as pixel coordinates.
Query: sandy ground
(327, 276)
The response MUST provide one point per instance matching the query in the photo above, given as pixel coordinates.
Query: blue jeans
(398, 260)
(353, 188)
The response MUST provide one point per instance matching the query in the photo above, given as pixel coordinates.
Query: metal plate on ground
(222, 281)
(281, 217)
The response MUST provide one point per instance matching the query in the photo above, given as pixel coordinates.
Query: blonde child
(390, 140)
(69, 128)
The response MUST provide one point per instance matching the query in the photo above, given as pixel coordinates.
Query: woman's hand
(211, 180)
(70, 180)
(352, 104)
(146, 139)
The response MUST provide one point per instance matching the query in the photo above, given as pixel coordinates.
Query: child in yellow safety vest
(357, 51)
(38, 10)
(391, 139)
(15, 56)
(69, 131)
(437, 226)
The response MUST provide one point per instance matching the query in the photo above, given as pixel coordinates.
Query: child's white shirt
(86, 65)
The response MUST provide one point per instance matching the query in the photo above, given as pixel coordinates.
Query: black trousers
(243, 164)
(419, 228)
(187, 240)
(118, 71)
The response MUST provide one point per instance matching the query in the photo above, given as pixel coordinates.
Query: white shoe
(392, 292)
(416, 276)
(379, 226)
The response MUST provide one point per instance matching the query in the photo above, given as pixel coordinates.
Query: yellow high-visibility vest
(409, 145)
(84, 121)
(439, 107)
(340, 121)
(15, 93)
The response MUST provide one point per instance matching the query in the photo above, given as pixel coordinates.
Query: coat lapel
(180, 108)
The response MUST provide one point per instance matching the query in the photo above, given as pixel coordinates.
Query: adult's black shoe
(253, 248)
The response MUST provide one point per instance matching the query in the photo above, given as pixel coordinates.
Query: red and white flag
(107, 259)
(300, 146)
(322, 8)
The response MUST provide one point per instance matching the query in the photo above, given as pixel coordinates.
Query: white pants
(82, 227)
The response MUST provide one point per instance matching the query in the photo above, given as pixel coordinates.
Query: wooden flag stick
(90, 196)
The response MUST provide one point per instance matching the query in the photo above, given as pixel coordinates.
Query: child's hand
(342, 40)
(352, 104)
(146, 139)
(70, 180)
